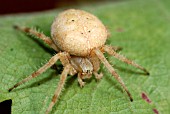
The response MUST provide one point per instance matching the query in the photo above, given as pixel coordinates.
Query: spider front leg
(60, 86)
(96, 66)
(80, 80)
(112, 71)
(46, 39)
(112, 52)
(39, 71)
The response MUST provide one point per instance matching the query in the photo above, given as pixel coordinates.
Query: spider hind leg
(39, 35)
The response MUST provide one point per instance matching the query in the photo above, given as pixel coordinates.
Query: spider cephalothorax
(79, 38)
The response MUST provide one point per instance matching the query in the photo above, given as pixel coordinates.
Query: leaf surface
(142, 28)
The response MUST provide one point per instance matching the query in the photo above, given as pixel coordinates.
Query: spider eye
(88, 71)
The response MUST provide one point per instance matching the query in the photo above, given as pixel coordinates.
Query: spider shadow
(37, 83)
(50, 77)
(68, 84)
(114, 83)
(56, 72)
(38, 41)
(129, 71)
(42, 45)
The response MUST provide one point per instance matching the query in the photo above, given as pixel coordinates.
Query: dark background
(22, 6)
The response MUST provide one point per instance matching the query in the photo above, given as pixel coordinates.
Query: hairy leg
(46, 39)
(110, 51)
(96, 66)
(39, 71)
(65, 60)
(112, 71)
(95, 62)
(59, 87)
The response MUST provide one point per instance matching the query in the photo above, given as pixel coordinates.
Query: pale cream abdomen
(78, 32)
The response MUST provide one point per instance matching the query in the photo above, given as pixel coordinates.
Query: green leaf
(141, 27)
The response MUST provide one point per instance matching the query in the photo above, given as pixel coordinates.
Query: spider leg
(112, 52)
(65, 61)
(111, 70)
(59, 87)
(46, 39)
(39, 71)
(81, 82)
(96, 66)
(98, 76)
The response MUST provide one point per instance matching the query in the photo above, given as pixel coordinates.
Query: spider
(79, 39)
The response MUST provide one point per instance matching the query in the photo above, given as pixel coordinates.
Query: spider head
(82, 65)
(87, 72)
